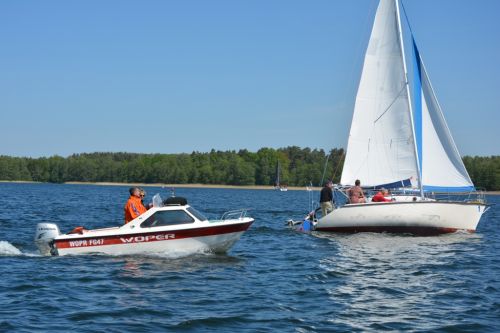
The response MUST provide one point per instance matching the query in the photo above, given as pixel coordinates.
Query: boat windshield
(167, 217)
(196, 214)
(157, 200)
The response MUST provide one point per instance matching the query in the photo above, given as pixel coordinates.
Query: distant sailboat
(278, 185)
(401, 140)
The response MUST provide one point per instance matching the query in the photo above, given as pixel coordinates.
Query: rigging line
(394, 101)
(341, 158)
(324, 170)
(406, 17)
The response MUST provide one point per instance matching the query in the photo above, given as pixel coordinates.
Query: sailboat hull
(421, 217)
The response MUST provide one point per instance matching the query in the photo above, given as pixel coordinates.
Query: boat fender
(306, 226)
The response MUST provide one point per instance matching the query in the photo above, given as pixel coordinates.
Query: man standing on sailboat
(326, 198)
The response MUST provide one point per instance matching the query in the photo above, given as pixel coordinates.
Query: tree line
(298, 167)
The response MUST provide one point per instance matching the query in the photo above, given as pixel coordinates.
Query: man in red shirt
(380, 196)
(134, 206)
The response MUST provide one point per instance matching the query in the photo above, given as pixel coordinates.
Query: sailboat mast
(278, 174)
(400, 29)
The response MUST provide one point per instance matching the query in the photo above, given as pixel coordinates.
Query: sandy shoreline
(235, 187)
(242, 187)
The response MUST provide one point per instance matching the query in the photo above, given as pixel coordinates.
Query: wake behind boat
(170, 227)
(400, 140)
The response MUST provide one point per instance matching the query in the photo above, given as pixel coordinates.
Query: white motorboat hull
(216, 239)
(421, 217)
(170, 227)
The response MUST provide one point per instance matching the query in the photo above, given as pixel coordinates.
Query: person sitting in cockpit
(356, 194)
(381, 196)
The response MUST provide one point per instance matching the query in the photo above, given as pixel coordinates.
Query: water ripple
(274, 279)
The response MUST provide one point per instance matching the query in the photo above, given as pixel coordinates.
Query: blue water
(274, 279)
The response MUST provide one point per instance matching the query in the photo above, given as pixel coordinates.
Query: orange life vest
(133, 208)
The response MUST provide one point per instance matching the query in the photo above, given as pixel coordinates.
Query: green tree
(299, 166)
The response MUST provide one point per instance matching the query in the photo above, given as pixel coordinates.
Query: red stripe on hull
(149, 236)
(421, 231)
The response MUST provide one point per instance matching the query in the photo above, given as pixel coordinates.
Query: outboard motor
(44, 236)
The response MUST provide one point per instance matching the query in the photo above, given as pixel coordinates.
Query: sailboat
(399, 139)
(278, 185)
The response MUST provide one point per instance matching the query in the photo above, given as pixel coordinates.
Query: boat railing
(468, 196)
(477, 196)
(340, 196)
(234, 214)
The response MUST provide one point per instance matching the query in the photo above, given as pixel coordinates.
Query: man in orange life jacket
(134, 206)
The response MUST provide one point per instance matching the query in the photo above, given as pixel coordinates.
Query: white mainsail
(381, 148)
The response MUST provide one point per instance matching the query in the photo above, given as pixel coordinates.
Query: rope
(341, 160)
(392, 103)
(324, 171)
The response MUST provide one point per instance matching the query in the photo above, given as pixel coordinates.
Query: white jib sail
(441, 165)
(381, 149)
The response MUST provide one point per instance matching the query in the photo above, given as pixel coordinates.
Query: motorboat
(168, 227)
(399, 140)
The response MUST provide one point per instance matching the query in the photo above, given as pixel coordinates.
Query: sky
(195, 75)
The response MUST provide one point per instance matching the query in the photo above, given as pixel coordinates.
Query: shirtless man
(356, 194)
